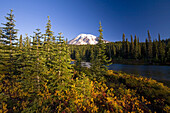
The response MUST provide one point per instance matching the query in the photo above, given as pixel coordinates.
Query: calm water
(155, 72)
(151, 71)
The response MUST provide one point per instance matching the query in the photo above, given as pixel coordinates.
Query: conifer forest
(36, 74)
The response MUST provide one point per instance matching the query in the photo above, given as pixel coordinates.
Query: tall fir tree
(123, 46)
(61, 74)
(136, 49)
(132, 47)
(78, 58)
(161, 49)
(143, 51)
(114, 50)
(20, 59)
(47, 43)
(147, 44)
(87, 54)
(168, 51)
(162, 52)
(149, 47)
(92, 55)
(127, 48)
(155, 51)
(34, 73)
(64, 66)
(24, 57)
(1, 49)
(9, 40)
(139, 49)
(101, 61)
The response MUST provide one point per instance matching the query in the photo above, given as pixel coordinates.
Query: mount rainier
(84, 39)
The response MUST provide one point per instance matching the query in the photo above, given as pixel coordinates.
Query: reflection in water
(150, 71)
(156, 72)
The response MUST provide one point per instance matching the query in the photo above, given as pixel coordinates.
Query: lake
(153, 71)
(150, 71)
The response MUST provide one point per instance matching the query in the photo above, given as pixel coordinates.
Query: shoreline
(137, 62)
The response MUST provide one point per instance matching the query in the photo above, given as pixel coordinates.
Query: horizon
(73, 17)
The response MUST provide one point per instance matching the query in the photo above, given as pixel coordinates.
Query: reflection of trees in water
(156, 72)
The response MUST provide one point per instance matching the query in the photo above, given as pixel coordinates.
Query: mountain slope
(84, 39)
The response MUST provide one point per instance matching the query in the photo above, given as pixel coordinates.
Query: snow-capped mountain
(84, 39)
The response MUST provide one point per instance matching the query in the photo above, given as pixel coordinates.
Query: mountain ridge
(84, 39)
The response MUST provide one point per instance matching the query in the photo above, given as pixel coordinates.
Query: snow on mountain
(84, 39)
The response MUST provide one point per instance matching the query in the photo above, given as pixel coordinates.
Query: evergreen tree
(113, 50)
(1, 50)
(161, 49)
(92, 56)
(9, 40)
(109, 51)
(47, 43)
(143, 50)
(127, 48)
(147, 44)
(155, 50)
(88, 53)
(99, 66)
(168, 51)
(123, 46)
(61, 76)
(132, 47)
(101, 48)
(19, 55)
(50, 48)
(136, 49)
(139, 49)
(149, 47)
(78, 58)
(64, 71)
(34, 68)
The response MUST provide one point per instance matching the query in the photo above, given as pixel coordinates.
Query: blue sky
(73, 17)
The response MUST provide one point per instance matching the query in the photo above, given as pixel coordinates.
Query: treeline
(36, 76)
(149, 52)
